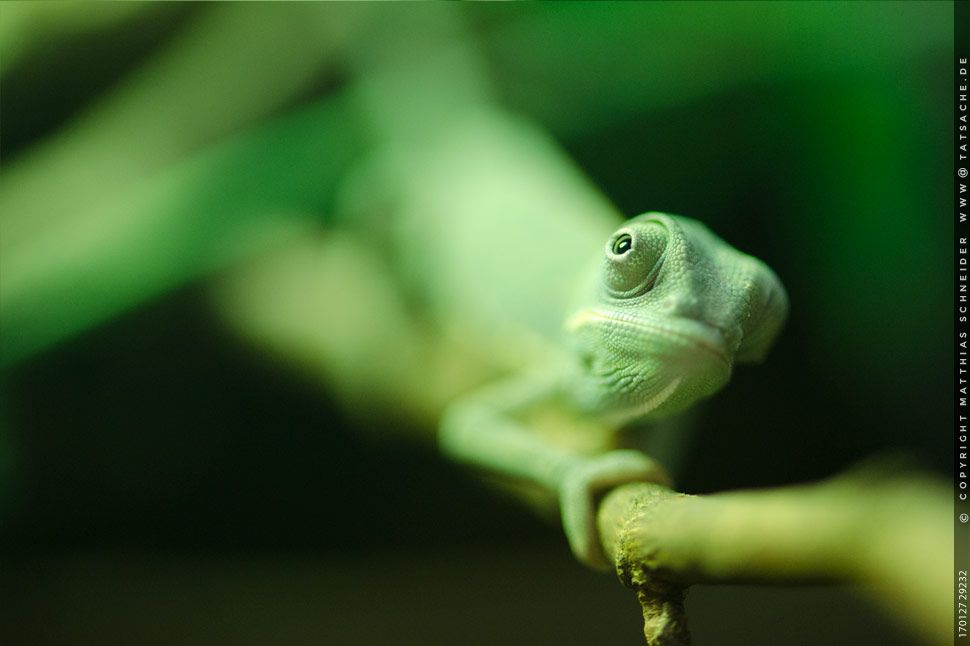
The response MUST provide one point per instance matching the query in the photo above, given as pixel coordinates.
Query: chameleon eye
(633, 258)
(622, 244)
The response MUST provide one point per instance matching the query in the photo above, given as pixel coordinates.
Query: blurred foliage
(147, 148)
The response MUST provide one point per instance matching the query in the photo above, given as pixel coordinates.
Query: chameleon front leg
(484, 429)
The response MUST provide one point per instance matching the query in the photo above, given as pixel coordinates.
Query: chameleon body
(515, 257)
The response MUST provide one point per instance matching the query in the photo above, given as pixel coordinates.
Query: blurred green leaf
(209, 210)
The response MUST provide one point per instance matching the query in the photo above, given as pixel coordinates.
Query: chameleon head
(673, 309)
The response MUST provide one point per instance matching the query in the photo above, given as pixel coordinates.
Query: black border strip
(961, 228)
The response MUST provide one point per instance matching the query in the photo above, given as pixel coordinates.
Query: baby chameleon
(673, 308)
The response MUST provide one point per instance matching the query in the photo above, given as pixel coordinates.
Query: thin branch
(893, 536)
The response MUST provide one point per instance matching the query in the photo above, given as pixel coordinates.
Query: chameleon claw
(578, 493)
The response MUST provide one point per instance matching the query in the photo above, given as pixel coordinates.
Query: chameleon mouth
(690, 333)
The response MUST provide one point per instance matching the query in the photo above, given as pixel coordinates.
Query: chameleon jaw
(644, 408)
(635, 368)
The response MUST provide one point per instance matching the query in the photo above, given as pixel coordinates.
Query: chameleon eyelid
(648, 281)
